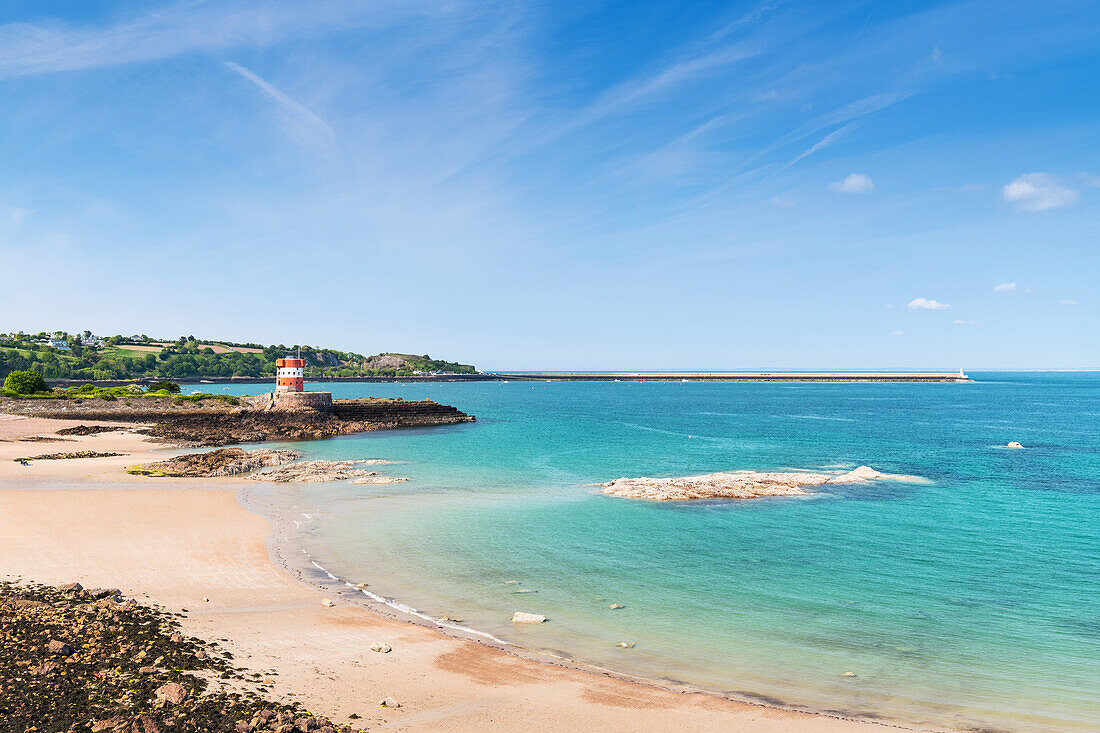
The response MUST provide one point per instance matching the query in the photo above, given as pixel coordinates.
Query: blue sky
(561, 185)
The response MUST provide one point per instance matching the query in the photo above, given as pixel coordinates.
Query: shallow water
(971, 600)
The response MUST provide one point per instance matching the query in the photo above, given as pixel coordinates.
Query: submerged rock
(519, 617)
(737, 484)
(312, 472)
(373, 479)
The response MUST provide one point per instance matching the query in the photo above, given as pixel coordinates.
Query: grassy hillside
(124, 357)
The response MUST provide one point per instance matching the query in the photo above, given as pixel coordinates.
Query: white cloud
(854, 183)
(896, 333)
(782, 202)
(1039, 192)
(1068, 302)
(924, 304)
(1005, 288)
(961, 322)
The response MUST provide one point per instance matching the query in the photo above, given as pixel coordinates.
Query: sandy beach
(177, 542)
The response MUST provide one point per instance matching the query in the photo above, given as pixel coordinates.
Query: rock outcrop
(220, 462)
(737, 484)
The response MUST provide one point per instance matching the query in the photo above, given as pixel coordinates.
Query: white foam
(404, 607)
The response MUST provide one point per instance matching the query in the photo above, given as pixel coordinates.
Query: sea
(969, 600)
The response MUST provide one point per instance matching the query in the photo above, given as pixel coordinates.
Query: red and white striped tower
(289, 375)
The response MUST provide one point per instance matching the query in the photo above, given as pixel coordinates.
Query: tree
(25, 383)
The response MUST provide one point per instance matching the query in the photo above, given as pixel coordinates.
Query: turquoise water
(972, 600)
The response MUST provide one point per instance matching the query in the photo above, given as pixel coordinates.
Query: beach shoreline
(177, 541)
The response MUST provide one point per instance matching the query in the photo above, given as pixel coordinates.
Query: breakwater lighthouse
(290, 375)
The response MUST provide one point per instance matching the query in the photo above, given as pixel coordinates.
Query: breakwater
(398, 412)
(958, 376)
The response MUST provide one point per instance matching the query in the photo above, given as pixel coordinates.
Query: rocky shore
(89, 660)
(737, 484)
(213, 422)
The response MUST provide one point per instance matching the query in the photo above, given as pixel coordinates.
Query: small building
(290, 375)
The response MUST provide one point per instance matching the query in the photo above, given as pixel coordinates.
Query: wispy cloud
(302, 125)
(896, 333)
(823, 142)
(962, 322)
(1005, 288)
(853, 183)
(1068, 302)
(926, 304)
(1039, 192)
(184, 27)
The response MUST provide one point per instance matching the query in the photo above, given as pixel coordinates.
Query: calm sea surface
(970, 600)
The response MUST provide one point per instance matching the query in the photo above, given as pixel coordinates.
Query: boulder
(73, 588)
(389, 702)
(59, 647)
(520, 617)
(171, 693)
(616, 606)
(327, 603)
(1014, 445)
(381, 648)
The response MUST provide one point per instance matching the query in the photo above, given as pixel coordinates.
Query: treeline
(187, 357)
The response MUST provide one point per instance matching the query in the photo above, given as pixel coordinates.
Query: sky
(548, 185)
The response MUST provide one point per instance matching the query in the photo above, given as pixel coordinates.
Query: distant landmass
(61, 355)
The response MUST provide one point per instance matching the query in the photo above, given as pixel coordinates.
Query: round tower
(289, 375)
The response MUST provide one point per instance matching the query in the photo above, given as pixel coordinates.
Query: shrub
(164, 384)
(25, 383)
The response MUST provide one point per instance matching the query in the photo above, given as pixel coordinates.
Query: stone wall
(321, 401)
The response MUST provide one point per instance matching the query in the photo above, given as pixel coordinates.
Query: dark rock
(59, 647)
(73, 588)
